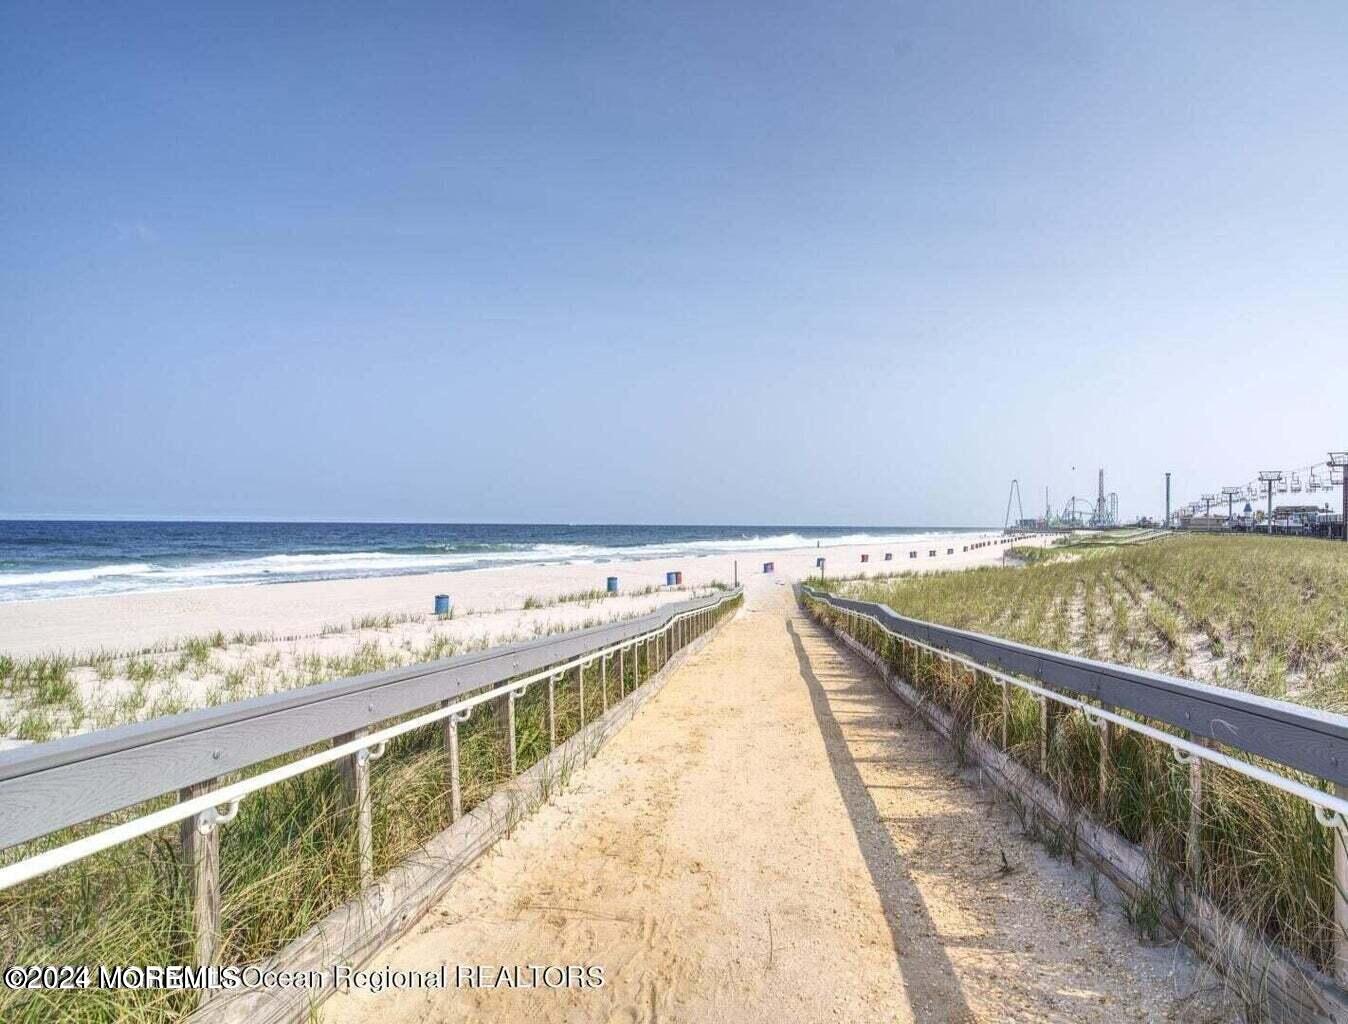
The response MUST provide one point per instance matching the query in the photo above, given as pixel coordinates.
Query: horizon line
(70, 518)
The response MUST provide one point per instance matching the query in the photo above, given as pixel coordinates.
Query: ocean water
(42, 559)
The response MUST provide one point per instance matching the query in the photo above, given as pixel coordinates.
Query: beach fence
(350, 803)
(1148, 775)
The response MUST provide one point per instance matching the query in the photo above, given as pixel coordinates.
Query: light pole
(1231, 493)
(1270, 477)
(1339, 461)
(1167, 501)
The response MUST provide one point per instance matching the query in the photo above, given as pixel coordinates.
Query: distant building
(1301, 519)
(1203, 524)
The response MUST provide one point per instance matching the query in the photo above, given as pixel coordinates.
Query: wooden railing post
(452, 767)
(200, 851)
(1045, 724)
(1006, 714)
(355, 774)
(580, 686)
(1193, 846)
(622, 672)
(1341, 894)
(552, 715)
(508, 713)
(603, 679)
(1106, 763)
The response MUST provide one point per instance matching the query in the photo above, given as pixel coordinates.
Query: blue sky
(813, 263)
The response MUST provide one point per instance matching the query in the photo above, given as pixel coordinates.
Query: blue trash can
(768, 567)
(612, 585)
(441, 604)
(671, 578)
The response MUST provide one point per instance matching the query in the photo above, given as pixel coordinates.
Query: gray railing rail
(55, 785)
(1301, 738)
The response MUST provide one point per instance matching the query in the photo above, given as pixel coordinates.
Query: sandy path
(766, 842)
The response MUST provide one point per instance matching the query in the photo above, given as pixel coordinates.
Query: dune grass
(286, 860)
(49, 696)
(532, 601)
(1266, 615)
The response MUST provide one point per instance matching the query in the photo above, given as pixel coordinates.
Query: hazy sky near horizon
(696, 262)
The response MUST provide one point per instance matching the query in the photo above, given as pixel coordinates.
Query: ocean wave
(785, 541)
(358, 562)
(95, 572)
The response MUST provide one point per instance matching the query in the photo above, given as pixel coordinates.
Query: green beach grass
(48, 696)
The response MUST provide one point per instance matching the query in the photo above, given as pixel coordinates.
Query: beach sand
(128, 622)
(131, 657)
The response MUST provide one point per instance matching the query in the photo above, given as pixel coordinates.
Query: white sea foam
(56, 576)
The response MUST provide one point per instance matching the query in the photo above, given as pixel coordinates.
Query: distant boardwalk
(762, 843)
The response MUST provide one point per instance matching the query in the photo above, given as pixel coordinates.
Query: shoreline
(74, 626)
(175, 564)
(73, 664)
